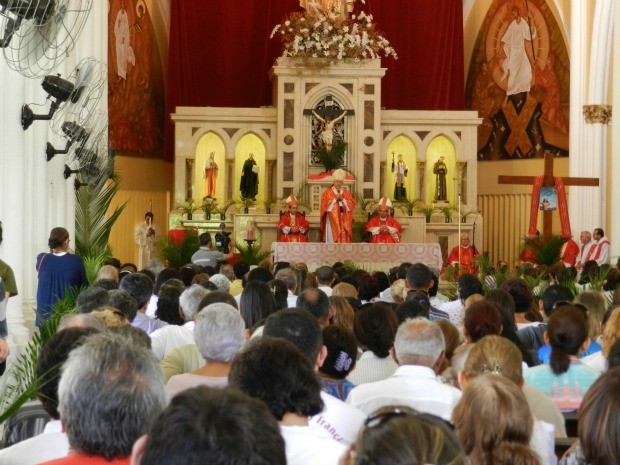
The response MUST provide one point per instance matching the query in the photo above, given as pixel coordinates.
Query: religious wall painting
(137, 49)
(440, 174)
(400, 172)
(328, 132)
(209, 173)
(249, 178)
(524, 107)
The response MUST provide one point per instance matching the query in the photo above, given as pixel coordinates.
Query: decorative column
(588, 131)
(421, 167)
(36, 196)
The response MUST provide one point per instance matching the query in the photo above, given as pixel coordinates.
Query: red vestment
(570, 251)
(467, 259)
(337, 217)
(287, 222)
(383, 237)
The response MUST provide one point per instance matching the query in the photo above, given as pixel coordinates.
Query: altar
(285, 140)
(372, 257)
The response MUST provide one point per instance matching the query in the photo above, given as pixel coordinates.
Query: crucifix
(548, 180)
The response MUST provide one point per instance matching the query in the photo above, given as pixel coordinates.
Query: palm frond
(331, 159)
(251, 253)
(92, 223)
(21, 380)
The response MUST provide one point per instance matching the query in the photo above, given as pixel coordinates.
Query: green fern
(251, 253)
(179, 254)
(547, 250)
(331, 159)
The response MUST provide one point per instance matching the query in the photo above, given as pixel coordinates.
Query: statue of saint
(400, 171)
(249, 178)
(327, 135)
(440, 170)
(209, 174)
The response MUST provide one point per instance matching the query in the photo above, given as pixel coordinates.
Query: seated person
(384, 229)
(465, 261)
(293, 226)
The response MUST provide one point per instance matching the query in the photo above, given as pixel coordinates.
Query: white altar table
(375, 257)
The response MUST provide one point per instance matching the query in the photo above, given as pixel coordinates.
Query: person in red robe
(293, 226)
(384, 229)
(337, 205)
(468, 255)
(570, 251)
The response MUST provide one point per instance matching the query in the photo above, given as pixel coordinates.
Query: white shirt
(151, 308)
(603, 255)
(308, 445)
(411, 385)
(342, 422)
(369, 368)
(328, 290)
(50, 445)
(456, 310)
(584, 249)
(595, 361)
(291, 299)
(543, 442)
(164, 340)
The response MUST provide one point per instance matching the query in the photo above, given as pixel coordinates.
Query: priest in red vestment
(570, 251)
(468, 255)
(293, 227)
(384, 229)
(337, 205)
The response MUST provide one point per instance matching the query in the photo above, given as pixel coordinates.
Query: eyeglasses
(379, 418)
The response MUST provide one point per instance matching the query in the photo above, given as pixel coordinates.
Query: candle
(250, 233)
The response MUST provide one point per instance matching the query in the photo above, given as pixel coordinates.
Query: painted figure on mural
(337, 205)
(209, 174)
(293, 226)
(383, 228)
(517, 67)
(124, 51)
(400, 171)
(135, 79)
(249, 178)
(327, 132)
(548, 80)
(440, 170)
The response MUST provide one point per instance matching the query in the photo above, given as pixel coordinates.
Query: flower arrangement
(325, 34)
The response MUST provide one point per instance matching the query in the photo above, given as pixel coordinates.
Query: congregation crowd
(276, 364)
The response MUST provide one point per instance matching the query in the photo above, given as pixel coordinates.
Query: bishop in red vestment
(293, 227)
(337, 205)
(384, 229)
(468, 254)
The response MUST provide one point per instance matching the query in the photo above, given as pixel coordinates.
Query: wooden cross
(548, 181)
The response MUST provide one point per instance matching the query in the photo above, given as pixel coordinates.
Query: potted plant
(179, 254)
(187, 208)
(331, 158)
(223, 209)
(267, 203)
(209, 206)
(466, 214)
(246, 204)
(406, 205)
(446, 210)
(426, 210)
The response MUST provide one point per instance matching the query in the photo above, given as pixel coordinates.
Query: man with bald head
(465, 260)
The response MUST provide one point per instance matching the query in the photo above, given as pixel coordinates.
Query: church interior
(185, 80)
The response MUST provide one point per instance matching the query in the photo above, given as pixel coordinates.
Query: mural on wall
(518, 81)
(135, 80)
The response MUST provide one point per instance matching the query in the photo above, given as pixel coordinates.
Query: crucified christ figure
(328, 128)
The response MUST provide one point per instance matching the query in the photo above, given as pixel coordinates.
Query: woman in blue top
(58, 270)
(565, 380)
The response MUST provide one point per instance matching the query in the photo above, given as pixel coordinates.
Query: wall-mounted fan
(90, 158)
(37, 35)
(74, 99)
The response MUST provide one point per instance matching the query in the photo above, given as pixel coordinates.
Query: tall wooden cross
(548, 181)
